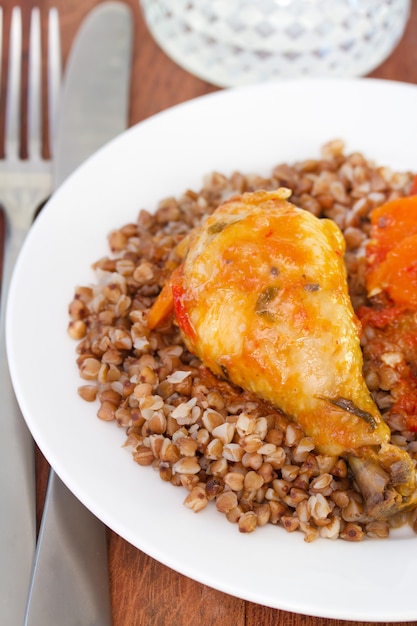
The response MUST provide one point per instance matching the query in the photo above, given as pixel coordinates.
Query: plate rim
(49, 220)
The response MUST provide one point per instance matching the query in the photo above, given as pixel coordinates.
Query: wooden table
(144, 592)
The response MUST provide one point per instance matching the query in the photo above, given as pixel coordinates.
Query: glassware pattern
(234, 42)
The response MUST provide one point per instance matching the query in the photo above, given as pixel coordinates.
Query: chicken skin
(262, 299)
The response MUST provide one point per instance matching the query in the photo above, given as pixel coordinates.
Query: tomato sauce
(391, 281)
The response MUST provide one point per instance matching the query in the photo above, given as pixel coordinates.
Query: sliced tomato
(392, 251)
(392, 222)
(397, 274)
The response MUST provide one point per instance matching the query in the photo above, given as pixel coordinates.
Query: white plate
(250, 129)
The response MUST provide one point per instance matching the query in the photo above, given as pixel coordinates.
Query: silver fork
(24, 184)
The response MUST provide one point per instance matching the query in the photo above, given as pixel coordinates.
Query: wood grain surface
(144, 592)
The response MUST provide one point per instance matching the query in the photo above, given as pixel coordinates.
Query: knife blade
(95, 92)
(70, 583)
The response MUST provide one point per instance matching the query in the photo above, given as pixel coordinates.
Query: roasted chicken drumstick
(262, 299)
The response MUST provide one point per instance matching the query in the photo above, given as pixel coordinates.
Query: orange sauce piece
(392, 251)
(392, 269)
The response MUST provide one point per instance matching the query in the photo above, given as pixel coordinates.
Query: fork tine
(34, 87)
(12, 131)
(54, 71)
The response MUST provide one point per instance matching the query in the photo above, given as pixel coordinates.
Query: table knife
(70, 583)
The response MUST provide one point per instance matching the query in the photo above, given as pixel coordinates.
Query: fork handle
(17, 474)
